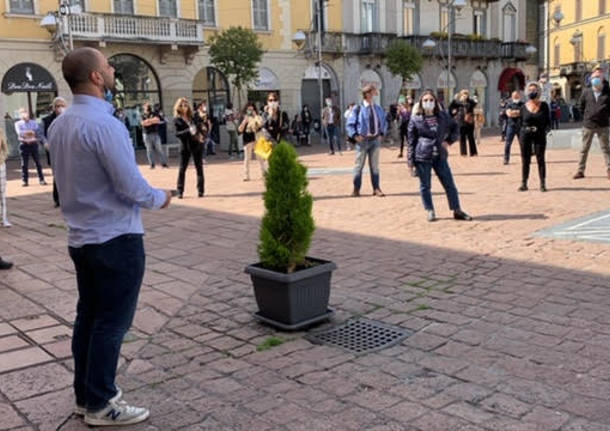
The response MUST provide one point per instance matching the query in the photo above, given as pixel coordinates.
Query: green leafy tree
(287, 226)
(236, 52)
(403, 59)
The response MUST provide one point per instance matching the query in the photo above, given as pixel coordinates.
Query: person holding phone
(151, 121)
(191, 144)
(250, 125)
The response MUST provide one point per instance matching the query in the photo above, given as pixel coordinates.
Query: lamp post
(55, 21)
(457, 5)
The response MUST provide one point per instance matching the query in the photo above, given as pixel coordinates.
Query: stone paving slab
(593, 228)
(511, 330)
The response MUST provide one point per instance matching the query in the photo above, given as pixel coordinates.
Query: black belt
(530, 129)
(371, 138)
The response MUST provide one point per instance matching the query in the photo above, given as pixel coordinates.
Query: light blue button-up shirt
(99, 183)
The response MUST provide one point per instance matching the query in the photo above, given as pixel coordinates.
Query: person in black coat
(190, 144)
(307, 120)
(462, 110)
(535, 124)
(59, 105)
(431, 132)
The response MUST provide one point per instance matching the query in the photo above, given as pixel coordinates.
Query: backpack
(351, 139)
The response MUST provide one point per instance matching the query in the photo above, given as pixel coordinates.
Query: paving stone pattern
(510, 331)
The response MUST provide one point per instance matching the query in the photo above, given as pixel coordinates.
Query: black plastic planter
(292, 301)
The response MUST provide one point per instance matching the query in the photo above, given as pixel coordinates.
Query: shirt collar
(367, 104)
(85, 99)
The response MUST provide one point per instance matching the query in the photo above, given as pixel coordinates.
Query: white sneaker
(80, 411)
(6, 223)
(117, 413)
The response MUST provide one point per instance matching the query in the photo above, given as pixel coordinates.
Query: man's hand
(168, 198)
(358, 138)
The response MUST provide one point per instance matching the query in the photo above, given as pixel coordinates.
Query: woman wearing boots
(190, 144)
(535, 123)
(431, 132)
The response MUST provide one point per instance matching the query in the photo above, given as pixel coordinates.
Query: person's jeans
(467, 133)
(108, 276)
(364, 149)
(25, 151)
(195, 149)
(152, 141)
(443, 172)
(511, 133)
(537, 143)
(233, 142)
(331, 135)
(587, 139)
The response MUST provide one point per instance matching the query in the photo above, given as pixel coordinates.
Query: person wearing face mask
(595, 106)
(431, 132)
(462, 110)
(59, 105)
(331, 122)
(248, 128)
(404, 116)
(151, 120)
(307, 119)
(29, 135)
(366, 127)
(513, 123)
(189, 132)
(275, 121)
(102, 192)
(535, 124)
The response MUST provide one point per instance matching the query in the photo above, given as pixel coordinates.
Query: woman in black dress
(190, 144)
(535, 123)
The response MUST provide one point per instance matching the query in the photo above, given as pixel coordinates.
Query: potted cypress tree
(291, 289)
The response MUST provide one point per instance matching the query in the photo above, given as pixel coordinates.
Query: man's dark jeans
(109, 276)
(25, 151)
(443, 172)
(511, 132)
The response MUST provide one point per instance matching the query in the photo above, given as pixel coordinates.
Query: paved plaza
(510, 327)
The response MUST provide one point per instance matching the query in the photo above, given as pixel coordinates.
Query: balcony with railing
(515, 50)
(134, 28)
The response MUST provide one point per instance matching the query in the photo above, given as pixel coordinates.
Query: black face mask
(533, 95)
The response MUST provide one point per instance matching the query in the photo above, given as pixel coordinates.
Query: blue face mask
(596, 82)
(108, 96)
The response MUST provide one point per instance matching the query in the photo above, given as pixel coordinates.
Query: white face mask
(61, 110)
(329, 103)
(516, 100)
(428, 106)
(274, 105)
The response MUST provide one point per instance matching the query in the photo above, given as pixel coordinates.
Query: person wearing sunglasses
(431, 131)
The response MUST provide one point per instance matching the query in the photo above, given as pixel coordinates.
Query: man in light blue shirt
(366, 125)
(29, 135)
(101, 191)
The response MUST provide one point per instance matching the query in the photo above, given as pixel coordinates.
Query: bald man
(101, 192)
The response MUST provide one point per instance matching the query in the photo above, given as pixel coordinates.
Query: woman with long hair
(431, 132)
(250, 125)
(535, 123)
(190, 144)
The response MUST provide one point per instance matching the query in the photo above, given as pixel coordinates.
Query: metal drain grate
(360, 336)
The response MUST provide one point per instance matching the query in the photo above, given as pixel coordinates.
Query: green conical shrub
(287, 226)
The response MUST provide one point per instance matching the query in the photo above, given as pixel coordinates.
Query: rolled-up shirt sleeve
(117, 156)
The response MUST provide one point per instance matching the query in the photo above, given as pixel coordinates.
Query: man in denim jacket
(366, 126)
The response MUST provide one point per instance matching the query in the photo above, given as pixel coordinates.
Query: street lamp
(458, 5)
(557, 18)
(299, 39)
(55, 21)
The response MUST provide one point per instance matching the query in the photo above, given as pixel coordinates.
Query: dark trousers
(331, 135)
(511, 132)
(55, 193)
(533, 143)
(109, 276)
(467, 132)
(25, 151)
(443, 172)
(194, 149)
(403, 139)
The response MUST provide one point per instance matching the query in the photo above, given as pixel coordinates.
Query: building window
(314, 13)
(480, 21)
(601, 45)
(168, 8)
(260, 12)
(22, 6)
(80, 3)
(578, 11)
(602, 7)
(509, 13)
(556, 54)
(206, 12)
(370, 18)
(124, 7)
(410, 17)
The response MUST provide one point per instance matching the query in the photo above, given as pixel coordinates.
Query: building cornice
(583, 22)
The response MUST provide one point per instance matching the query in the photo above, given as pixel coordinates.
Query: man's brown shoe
(578, 175)
(378, 193)
(355, 193)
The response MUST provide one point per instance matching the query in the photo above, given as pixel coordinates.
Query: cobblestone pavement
(511, 330)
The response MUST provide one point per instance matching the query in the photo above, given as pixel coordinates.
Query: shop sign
(28, 77)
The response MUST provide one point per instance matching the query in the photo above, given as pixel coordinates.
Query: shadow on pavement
(499, 217)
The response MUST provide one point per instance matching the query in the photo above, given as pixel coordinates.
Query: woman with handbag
(535, 124)
(275, 121)
(248, 128)
(190, 144)
(431, 132)
(462, 110)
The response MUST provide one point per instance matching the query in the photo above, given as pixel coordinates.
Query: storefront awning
(507, 76)
(28, 77)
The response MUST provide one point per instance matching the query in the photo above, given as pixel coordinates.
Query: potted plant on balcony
(291, 289)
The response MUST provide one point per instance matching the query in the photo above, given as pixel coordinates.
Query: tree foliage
(236, 52)
(403, 59)
(287, 226)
